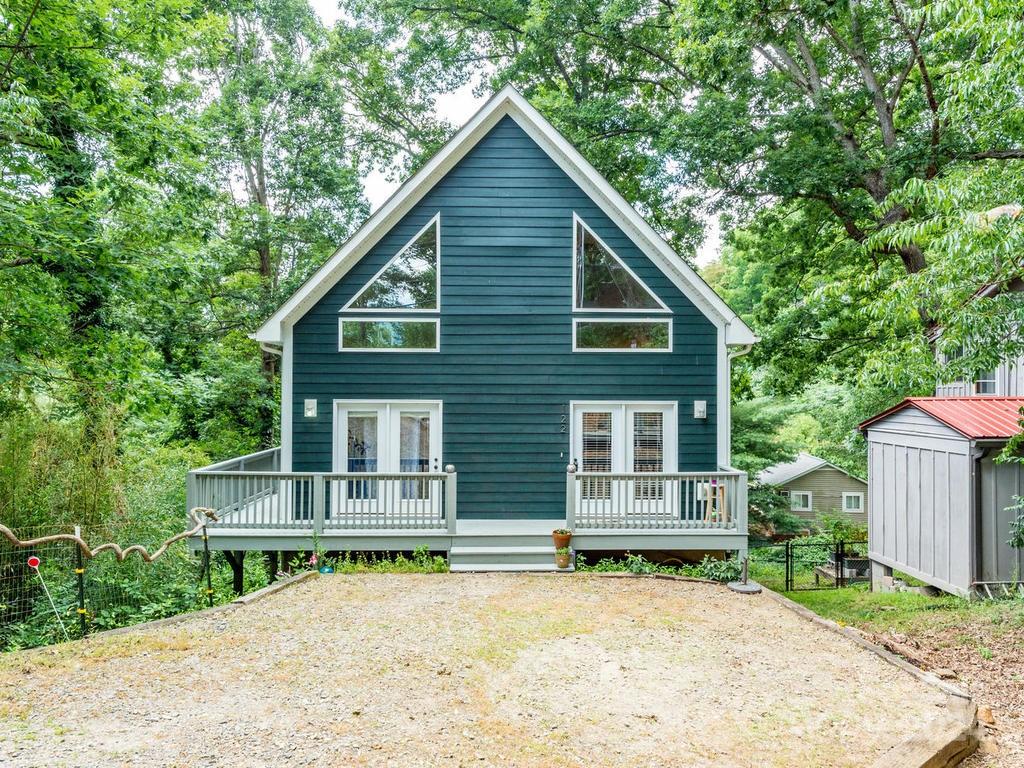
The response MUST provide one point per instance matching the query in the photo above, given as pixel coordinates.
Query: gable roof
(975, 417)
(509, 102)
(803, 464)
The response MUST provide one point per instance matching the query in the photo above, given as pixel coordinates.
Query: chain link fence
(812, 563)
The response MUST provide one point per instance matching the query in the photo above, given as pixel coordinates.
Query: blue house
(503, 348)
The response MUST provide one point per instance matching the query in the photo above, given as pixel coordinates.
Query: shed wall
(919, 504)
(1000, 484)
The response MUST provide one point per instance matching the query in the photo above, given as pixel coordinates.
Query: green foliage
(768, 512)
(839, 527)
(708, 568)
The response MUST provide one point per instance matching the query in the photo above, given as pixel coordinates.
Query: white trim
(578, 222)
(620, 409)
(633, 350)
(792, 501)
(286, 399)
(339, 404)
(723, 400)
(509, 102)
(859, 495)
(436, 223)
(354, 319)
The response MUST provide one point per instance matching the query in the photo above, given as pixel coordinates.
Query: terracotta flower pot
(562, 559)
(561, 539)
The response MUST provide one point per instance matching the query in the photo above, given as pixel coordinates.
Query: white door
(621, 440)
(389, 438)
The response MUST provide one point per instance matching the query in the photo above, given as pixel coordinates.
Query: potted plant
(561, 537)
(563, 556)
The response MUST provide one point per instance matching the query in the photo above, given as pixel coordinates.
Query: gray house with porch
(503, 348)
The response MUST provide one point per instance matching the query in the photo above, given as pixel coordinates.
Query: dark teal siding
(506, 371)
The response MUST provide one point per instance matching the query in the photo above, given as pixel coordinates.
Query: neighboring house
(503, 348)
(814, 486)
(939, 502)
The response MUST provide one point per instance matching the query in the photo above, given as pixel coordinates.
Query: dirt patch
(525, 670)
(987, 658)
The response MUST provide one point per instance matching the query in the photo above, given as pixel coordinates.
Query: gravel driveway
(457, 669)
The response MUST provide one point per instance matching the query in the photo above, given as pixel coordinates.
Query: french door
(389, 438)
(623, 441)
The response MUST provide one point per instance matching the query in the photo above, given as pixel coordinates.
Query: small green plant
(1016, 539)
(562, 531)
(718, 570)
(986, 653)
(563, 551)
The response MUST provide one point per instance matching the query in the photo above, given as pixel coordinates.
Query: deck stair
(526, 546)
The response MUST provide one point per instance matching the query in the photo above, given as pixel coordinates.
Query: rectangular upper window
(622, 335)
(387, 335)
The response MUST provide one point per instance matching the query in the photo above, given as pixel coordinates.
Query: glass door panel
(362, 451)
(414, 451)
(596, 451)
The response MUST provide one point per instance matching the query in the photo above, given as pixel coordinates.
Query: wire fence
(814, 563)
(49, 593)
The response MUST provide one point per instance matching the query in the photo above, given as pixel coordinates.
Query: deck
(259, 507)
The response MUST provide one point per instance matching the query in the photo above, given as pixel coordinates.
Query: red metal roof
(978, 418)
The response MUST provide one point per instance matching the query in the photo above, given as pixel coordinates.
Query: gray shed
(938, 501)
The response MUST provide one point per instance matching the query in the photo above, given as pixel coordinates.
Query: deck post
(191, 499)
(318, 504)
(450, 495)
(741, 503)
(570, 497)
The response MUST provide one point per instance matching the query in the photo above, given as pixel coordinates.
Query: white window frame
(850, 494)
(792, 501)
(340, 409)
(622, 445)
(663, 320)
(994, 381)
(435, 222)
(437, 334)
(577, 221)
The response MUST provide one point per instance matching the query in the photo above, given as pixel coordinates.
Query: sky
(457, 107)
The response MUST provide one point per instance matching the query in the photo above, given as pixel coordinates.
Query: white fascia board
(510, 102)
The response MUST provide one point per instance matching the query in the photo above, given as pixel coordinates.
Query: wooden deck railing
(256, 498)
(656, 500)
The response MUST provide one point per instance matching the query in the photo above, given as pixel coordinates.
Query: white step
(508, 567)
(502, 557)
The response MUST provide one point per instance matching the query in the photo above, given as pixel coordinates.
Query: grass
(908, 612)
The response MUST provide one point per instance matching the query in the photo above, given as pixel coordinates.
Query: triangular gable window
(603, 281)
(410, 280)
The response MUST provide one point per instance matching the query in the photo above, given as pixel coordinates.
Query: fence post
(206, 565)
(789, 566)
(80, 573)
(570, 497)
(450, 496)
(840, 563)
